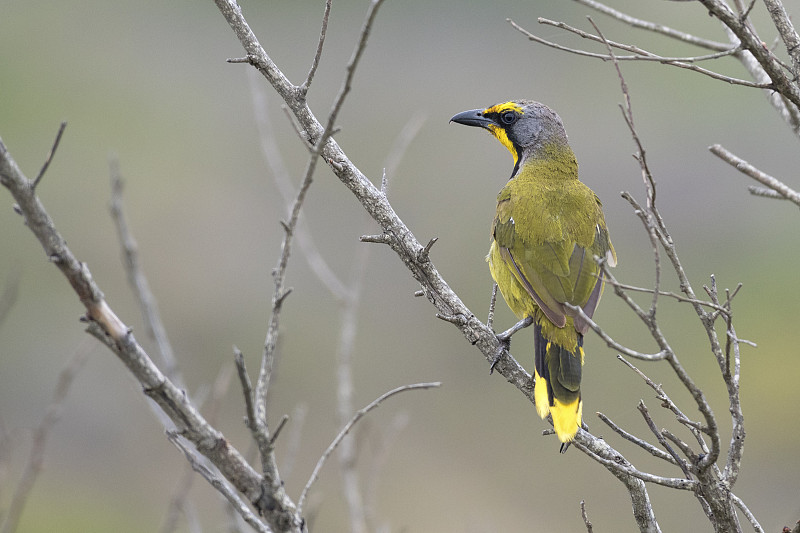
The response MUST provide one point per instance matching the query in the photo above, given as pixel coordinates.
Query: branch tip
(50, 155)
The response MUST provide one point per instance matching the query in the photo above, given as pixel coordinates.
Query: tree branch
(750, 41)
(655, 27)
(137, 279)
(219, 485)
(346, 429)
(50, 155)
(773, 184)
(40, 435)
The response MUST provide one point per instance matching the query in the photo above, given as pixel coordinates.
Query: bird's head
(523, 126)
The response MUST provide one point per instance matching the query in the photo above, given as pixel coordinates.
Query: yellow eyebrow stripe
(499, 108)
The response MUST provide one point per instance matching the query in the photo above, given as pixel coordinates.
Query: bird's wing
(553, 262)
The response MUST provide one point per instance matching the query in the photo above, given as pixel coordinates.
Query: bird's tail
(558, 383)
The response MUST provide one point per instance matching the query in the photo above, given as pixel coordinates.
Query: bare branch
(643, 55)
(747, 513)
(219, 484)
(731, 378)
(280, 175)
(614, 344)
(646, 446)
(137, 279)
(247, 388)
(350, 69)
(376, 468)
(303, 89)
(682, 464)
(179, 501)
(40, 435)
(746, 168)
(346, 429)
(667, 402)
(783, 23)
(654, 27)
(492, 302)
(50, 155)
(345, 387)
(400, 145)
(673, 295)
(619, 467)
(585, 517)
(742, 29)
(261, 431)
(666, 242)
(9, 295)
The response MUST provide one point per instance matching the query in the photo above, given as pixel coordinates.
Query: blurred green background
(148, 81)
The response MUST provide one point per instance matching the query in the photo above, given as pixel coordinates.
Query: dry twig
(40, 435)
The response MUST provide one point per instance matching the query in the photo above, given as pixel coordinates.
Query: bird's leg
(504, 339)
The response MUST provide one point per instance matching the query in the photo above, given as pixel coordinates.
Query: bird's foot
(504, 346)
(504, 339)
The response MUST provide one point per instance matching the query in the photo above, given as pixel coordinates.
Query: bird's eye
(508, 118)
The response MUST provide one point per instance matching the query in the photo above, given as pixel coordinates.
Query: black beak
(473, 117)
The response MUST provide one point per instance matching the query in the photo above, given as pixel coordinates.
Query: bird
(548, 230)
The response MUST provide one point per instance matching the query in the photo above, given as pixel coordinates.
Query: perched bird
(547, 231)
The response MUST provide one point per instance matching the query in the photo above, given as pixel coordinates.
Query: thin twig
(103, 323)
(218, 483)
(50, 155)
(261, 429)
(261, 432)
(280, 175)
(622, 466)
(585, 517)
(787, 33)
(303, 88)
(40, 435)
(402, 141)
(346, 429)
(640, 54)
(746, 168)
(611, 343)
(9, 295)
(247, 388)
(755, 190)
(179, 500)
(492, 302)
(350, 303)
(138, 281)
(736, 446)
(682, 464)
(344, 390)
(698, 395)
(667, 402)
(646, 446)
(350, 69)
(669, 294)
(747, 513)
(380, 456)
(654, 27)
(781, 80)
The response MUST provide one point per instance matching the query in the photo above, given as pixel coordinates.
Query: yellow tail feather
(566, 416)
(540, 395)
(566, 419)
